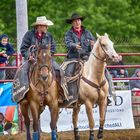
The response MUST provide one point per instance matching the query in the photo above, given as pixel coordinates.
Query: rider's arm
(53, 45)
(70, 44)
(26, 43)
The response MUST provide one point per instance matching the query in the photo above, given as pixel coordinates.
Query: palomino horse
(93, 85)
(43, 91)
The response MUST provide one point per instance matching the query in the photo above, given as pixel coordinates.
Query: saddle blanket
(21, 83)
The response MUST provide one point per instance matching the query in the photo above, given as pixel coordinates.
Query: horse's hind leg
(102, 111)
(89, 111)
(24, 109)
(75, 120)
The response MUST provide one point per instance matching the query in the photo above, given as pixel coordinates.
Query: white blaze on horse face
(44, 54)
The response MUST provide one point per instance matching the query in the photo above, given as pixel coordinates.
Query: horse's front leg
(54, 117)
(89, 111)
(35, 114)
(102, 111)
(24, 109)
(75, 120)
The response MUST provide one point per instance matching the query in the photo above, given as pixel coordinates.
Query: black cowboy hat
(73, 17)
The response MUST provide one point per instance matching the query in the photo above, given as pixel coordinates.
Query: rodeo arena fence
(121, 84)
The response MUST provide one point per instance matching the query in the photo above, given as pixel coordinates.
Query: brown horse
(93, 85)
(42, 91)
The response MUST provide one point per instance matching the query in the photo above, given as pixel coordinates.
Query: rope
(73, 78)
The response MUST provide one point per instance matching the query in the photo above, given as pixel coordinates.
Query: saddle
(72, 70)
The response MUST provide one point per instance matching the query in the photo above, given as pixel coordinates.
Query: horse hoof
(54, 135)
(77, 138)
(35, 136)
(91, 138)
(76, 134)
(100, 136)
(28, 137)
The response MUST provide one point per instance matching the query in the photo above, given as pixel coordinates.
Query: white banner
(118, 116)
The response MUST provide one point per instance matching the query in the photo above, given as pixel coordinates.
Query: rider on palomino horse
(79, 42)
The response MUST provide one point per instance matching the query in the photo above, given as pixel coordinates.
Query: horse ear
(97, 35)
(106, 34)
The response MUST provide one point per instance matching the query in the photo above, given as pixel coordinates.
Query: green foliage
(8, 17)
(119, 18)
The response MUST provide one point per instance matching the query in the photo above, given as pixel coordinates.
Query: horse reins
(103, 60)
(99, 58)
(32, 50)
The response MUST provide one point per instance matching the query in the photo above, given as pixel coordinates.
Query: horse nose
(116, 58)
(44, 78)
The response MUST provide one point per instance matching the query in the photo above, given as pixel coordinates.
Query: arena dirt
(108, 135)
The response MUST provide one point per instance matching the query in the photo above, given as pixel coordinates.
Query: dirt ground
(108, 135)
(130, 134)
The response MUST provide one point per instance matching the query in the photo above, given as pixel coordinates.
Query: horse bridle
(44, 92)
(44, 65)
(103, 60)
(32, 51)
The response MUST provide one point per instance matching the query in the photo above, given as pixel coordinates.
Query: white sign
(118, 116)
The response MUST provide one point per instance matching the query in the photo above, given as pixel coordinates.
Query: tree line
(119, 18)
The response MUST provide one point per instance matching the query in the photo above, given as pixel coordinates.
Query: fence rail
(64, 54)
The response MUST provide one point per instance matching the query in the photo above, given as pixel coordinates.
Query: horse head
(106, 48)
(44, 61)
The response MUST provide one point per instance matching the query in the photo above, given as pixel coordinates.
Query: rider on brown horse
(38, 36)
(33, 40)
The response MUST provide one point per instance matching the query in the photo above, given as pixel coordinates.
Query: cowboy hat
(42, 20)
(73, 17)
